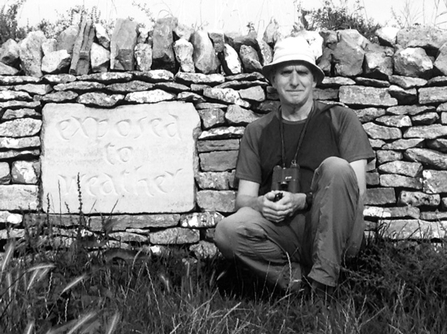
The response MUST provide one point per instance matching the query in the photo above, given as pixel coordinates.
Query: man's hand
(278, 211)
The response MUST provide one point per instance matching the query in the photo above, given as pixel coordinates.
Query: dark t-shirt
(332, 131)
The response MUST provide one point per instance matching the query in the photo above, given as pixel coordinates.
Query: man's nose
(294, 79)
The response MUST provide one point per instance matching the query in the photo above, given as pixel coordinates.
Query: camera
(286, 179)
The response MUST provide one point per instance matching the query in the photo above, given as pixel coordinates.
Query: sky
(231, 15)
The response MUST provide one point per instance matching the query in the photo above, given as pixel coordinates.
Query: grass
(391, 287)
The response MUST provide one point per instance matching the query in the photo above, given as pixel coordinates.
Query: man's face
(294, 82)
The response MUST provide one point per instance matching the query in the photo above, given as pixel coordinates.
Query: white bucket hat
(293, 49)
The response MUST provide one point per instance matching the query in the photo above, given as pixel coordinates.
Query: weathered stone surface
(336, 82)
(175, 236)
(372, 82)
(183, 31)
(438, 145)
(427, 37)
(387, 35)
(433, 215)
(100, 58)
(199, 78)
(101, 36)
(10, 53)
(427, 157)
(231, 62)
(441, 60)
(434, 181)
(110, 154)
(154, 76)
(348, 54)
(190, 97)
(56, 62)
(417, 198)
(22, 127)
(19, 104)
(212, 117)
(245, 85)
(413, 62)
(6, 95)
(67, 38)
(369, 114)
(5, 174)
(409, 110)
(217, 145)
(19, 197)
(218, 39)
(252, 94)
(400, 181)
(81, 86)
(208, 105)
(10, 218)
(143, 56)
(124, 39)
(129, 87)
(426, 131)
(64, 96)
(49, 46)
(80, 61)
(265, 51)
(223, 133)
(128, 237)
(173, 87)
(162, 52)
(12, 233)
(425, 119)
(18, 80)
(31, 53)
(250, 59)
(413, 229)
(254, 76)
(366, 96)
(407, 82)
(204, 56)
(200, 219)
(58, 78)
(13, 154)
(437, 81)
(7, 70)
(393, 212)
(216, 180)
(376, 143)
(411, 169)
(237, 115)
(204, 249)
(153, 96)
(25, 172)
(378, 61)
(212, 200)
(380, 196)
(100, 99)
(272, 32)
(19, 143)
(404, 96)
(381, 132)
(403, 144)
(218, 161)
(34, 89)
(395, 121)
(184, 55)
(432, 95)
(226, 95)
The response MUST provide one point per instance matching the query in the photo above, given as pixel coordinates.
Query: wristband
(309, 199)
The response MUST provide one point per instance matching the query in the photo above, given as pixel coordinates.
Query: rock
(211, 117)
(380, 196)
(19, 104)
(175, 236)
(438, 145)
(395, 121)
(56, 62)
(384, 156)
(102, 36)
(153, 96)
(204, 250)
(221, 201)
(427, 157)
(199, 78)
(441, 60)
(400, 181)
(162, 51)
(31, 53)
(426, 131)
(387, 36)
(409, 110)
(437, 81)
(19, 143)
(218, 40)
(204, 56)
(246, 84)
(49, 46)
(80, 62)
(226, 95)
(12, 95)
(126, 222)
(425, 118)
(252, 94)
(231, 62)
(413, 62)
(236, 40)
(266, 106)
(82, 86)
(208, 105)
(372, 82)
(216, 180)
(10, 218)
(59, 78)
(381, 132)
(376, 143)
(107, 77)
(154, 76)
(22, 127)
(183, 31)
(129, 87)
(403, 144)
(5, 174)
(392, 212)
(217, 145)
(122, 45)
(15, 154)
(366, 96)
(272, 32)
(143, 34)
(432, 95)
(20, 113)
(348, 54)
(100, 58)
(65, 96)
(223, 133)
(434, 215)
(18, 80)
(19, 197)
(405, 229)
(237, 115)
(407, 82)
(100, 99)
(410, 169)
(25, 172)
(218, 161)
(369, 114)
(10, 53)
(34, 89)
(404, 96)
(336, 82)
(184, 55)
(190, 97)
(200, 219)
(8, 70)
(434, 181)
(426, 37)
(250, 59)
(67, 38)
(416, 199)
(173, 87)
(378, 61)
(143, 57)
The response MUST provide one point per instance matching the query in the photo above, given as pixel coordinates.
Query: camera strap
(300, 141)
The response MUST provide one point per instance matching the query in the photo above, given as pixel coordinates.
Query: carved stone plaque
(130, 159)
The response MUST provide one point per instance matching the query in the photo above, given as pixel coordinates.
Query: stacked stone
(397, 88)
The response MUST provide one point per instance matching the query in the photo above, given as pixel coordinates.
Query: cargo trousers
(311, 243)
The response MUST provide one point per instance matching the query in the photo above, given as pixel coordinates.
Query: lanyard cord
(300, 141)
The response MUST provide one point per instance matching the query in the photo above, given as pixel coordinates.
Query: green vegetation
(9, 28)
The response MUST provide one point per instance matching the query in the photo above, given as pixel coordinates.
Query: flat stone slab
(130, 159)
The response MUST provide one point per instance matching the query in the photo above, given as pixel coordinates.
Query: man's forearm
(248, 201)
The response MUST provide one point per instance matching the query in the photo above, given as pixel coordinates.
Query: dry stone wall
(396, 85)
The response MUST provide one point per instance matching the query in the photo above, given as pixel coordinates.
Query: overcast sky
(227, 15)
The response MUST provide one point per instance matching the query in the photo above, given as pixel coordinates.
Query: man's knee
(335, 168)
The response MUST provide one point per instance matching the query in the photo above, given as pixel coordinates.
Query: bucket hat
(293, 49)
